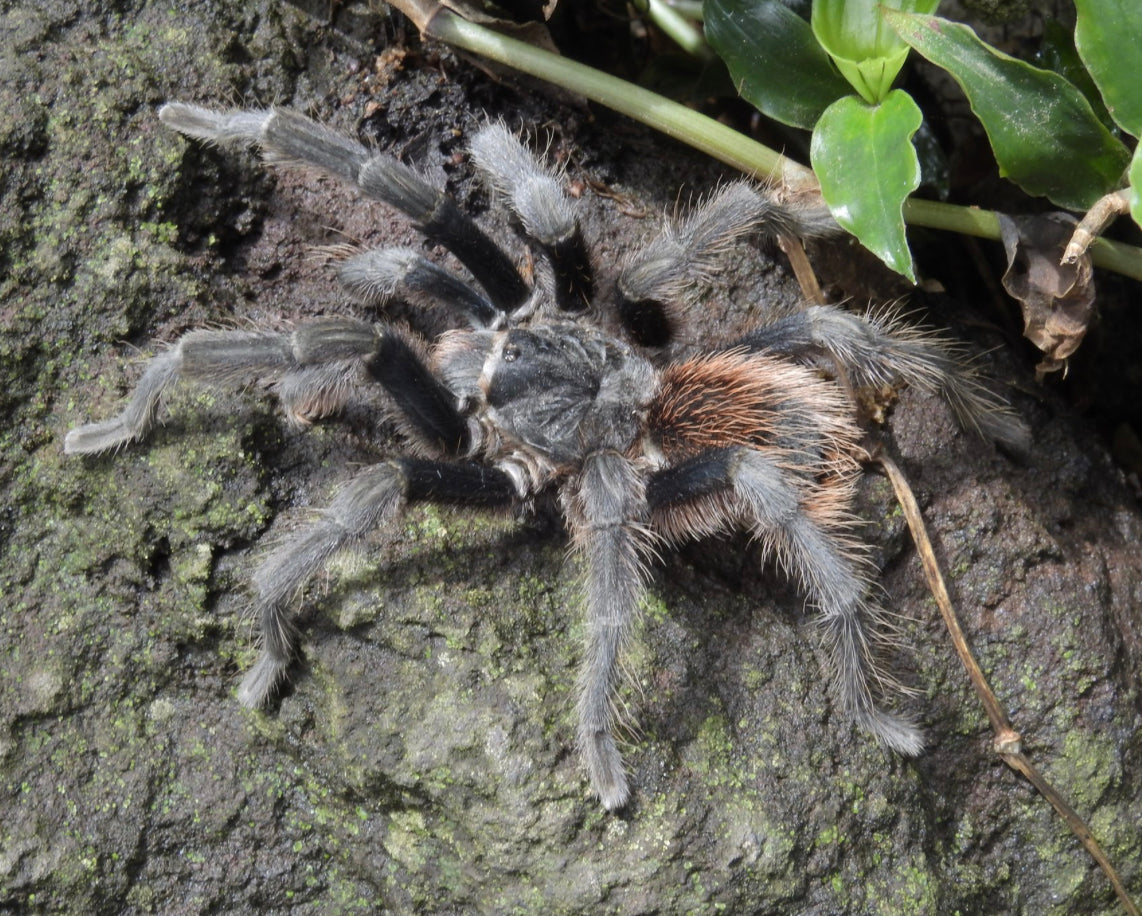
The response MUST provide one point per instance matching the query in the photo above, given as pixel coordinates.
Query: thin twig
(1102, 214)
(802, 269)
(1007, 743)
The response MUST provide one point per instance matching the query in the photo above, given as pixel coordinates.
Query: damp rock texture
(422, 761)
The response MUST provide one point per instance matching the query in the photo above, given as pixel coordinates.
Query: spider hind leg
(607, 512)
(876, 349)
(721, 487)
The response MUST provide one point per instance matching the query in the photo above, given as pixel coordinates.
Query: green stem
(703, 133)
(675, 120)
(688, 9)
(678, 28)
(1110, 255)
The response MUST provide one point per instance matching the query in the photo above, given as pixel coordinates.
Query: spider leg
(381, 274)
(312, 369)
(678, 263)
(288, 138)
(607, 510)
(828, 567)
(877, 349)
(537, 199)
(368, 501)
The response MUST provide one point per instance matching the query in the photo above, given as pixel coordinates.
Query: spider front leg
(367, 502)
(313, 371)
(607, 511)
(288, 138)
(721, 486)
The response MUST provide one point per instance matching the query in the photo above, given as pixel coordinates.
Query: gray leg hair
(876, 349)
(836, 583)
(366, 502)
(381, 274)
(687, 254)
(607, 512)
(290, 139)
(312, 369)
(534, 195)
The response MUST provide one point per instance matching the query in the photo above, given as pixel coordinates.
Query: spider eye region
(530, 364)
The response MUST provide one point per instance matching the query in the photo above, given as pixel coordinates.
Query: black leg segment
(484, 258)
(574, 281)
(699, 476)
(422, 398)
(468, 484)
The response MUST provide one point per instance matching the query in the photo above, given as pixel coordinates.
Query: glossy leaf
(863, 46)
(1044, 134)
(774, 60)
(1108, 36)
(867, 166)
(1057, 52)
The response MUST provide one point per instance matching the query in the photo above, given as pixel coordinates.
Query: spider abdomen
(738, 398)
(733, 399)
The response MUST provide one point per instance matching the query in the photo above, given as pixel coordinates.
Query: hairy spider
(643, 450)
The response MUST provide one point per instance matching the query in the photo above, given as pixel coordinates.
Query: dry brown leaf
(422, 13)
(1057, 299)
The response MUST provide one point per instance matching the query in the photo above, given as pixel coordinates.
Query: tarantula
(642, 450)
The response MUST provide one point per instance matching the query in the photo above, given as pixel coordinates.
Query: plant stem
(677, 27)
(675, 120)
(1008, 742)
(1111, 255)
(689, 9)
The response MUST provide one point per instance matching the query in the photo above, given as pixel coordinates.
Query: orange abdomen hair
(742, 398)
(738, 398)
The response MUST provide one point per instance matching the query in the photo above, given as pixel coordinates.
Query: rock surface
(423, 761)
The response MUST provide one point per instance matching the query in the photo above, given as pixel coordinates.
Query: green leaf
(865, 49)
(1045, 136)
(1058, 54)
(867, 166)
(1108, 35)
(774, 59)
